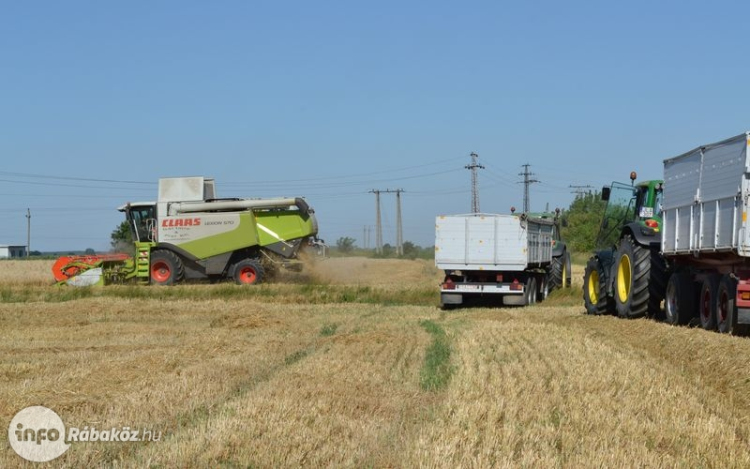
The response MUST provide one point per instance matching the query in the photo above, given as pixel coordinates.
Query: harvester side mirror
(605, 193)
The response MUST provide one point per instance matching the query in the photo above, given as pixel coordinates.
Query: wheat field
(351, 364)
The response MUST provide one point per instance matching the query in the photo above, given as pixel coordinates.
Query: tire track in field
(348, 402)
(533, 392)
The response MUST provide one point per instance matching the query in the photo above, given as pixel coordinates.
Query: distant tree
(35, 253)
(410, 250)
(121, 238)
(387, 250)
(581, 222)
(89, 251)
(345, 244)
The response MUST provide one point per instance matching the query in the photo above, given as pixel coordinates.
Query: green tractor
(627, 274)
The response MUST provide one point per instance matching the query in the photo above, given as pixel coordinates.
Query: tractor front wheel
(594, 295)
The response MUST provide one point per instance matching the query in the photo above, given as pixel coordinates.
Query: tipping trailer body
(705, 231)
(706, 200)
(505, 256)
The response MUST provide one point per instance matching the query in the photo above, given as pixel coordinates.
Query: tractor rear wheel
(594, 295)
(640, 279)
(248, 272)
(166, 268)
(707, 303)
(679, 301)
(559, 272)
(556, 272)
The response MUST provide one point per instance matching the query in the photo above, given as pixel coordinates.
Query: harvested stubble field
(354, 365)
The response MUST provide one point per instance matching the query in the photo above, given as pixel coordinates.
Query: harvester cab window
(144, 222)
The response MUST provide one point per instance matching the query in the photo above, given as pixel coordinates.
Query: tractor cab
(635, 208)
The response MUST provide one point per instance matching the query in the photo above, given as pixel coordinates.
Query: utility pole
(474, 182)
(580, 191)
(366, 231)
(28, 233)
(399, 228)
(527, 181)
(379, 225)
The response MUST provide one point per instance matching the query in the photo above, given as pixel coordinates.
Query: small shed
(12, 252)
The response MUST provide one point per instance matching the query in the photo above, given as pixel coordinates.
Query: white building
(12, 252)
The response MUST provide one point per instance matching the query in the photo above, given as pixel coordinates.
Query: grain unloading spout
(176, 208)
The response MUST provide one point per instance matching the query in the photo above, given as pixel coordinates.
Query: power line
(580, 191)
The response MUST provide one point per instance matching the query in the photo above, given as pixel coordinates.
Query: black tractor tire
(679, 300)
(594, 294)
(639, 280)
(558, 275)
(556, 272)
(248, 272)
(726, 306)
(707, 302)
(166, 268)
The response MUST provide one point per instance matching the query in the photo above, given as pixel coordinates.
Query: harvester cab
(141, 218)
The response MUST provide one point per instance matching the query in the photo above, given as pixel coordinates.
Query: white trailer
(514, 258)
(705, 236)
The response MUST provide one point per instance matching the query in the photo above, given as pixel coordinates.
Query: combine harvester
(683, 240)
(190, 234)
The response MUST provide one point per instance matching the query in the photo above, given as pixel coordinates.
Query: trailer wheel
(531, 291)
(726, 307)
(543, 289)
(679, 307)
(594, 297)
(166, 268)
(639, 280)
(707, 303)
(248, 272)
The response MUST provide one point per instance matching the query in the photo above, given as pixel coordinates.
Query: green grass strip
(437, 369)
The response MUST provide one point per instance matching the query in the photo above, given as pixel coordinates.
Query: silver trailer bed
(706, 192)
(492, 242)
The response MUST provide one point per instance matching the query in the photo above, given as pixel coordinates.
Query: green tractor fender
(643, 235)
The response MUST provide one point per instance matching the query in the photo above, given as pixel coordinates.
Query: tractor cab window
(620, 210)
(143, 222)
(658, 202)
(644, 209)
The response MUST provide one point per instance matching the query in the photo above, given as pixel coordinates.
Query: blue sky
(328, 100)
